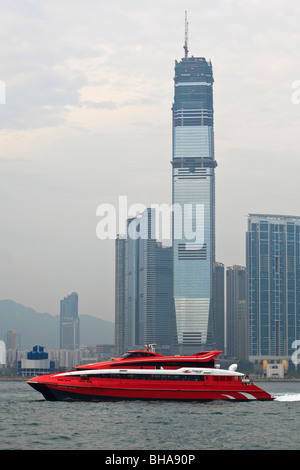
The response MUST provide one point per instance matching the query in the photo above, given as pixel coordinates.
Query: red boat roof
(140, 357)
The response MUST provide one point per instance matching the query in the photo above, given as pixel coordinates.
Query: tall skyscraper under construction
(193, 163)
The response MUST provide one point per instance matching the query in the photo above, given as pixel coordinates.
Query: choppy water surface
(27, 421)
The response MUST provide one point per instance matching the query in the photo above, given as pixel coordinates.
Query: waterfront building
(66, 359)
(104, 352)
(273, 265)
(193, 176)
(2, 354)
(236, 312)
(35, 363)
(69, 322)
(143, 288)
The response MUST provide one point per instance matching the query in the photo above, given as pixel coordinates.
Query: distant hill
(43, 328)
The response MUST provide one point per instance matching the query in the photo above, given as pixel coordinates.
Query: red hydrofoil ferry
(147, 375)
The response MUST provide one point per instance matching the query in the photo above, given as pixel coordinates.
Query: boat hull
(54, 392)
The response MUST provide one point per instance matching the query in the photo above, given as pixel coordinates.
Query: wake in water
(288, 397)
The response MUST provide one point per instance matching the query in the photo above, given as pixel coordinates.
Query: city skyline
(79, 128)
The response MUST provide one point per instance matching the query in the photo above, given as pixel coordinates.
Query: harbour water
(29, 422)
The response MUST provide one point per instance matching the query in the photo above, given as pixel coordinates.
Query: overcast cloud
(87, 118)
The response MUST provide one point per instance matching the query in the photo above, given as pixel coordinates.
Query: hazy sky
(87, 118)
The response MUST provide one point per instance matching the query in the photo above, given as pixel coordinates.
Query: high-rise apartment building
(273, 265)
(193, 163)
(120, 297)
(69, 322)
(236, 312)
(218, 320)
(11, 339)
(143, 288)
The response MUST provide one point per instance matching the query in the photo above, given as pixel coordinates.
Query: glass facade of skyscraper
(273, 264)
(236, 312)
(218, 320)
(193, 200)
(120, 270)
(144, 291)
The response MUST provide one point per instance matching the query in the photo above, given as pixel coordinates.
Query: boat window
(136, 354)
(175, 364)
(180, 377)
(224, 378)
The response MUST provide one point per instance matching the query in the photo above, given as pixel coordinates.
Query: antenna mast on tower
(185, 47)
